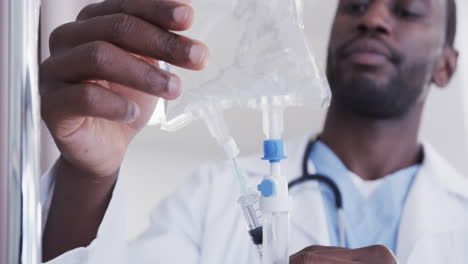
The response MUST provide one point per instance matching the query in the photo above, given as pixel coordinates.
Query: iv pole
(20, 218)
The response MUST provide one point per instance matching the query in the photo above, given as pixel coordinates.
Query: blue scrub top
(372, 220)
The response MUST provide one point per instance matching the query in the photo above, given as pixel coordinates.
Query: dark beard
(370, 100)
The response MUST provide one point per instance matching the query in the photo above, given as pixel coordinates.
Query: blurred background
(158, 161)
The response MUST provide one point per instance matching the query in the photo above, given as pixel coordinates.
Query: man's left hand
(334, 255)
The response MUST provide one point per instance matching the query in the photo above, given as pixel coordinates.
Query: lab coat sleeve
(109, 245)
(176, 228)
(174, 234)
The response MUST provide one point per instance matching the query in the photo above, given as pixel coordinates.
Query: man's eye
(407, 14)
(356, 8)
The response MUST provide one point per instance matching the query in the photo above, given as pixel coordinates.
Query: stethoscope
(306, 176)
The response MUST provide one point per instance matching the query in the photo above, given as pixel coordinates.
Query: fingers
(134, 35)
(377, 252)
(170, 15)
(322, 255)
(88, 99)
(313, 258)
(321, 249)
(103, 61)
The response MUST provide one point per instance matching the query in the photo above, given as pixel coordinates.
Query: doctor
(403, 202)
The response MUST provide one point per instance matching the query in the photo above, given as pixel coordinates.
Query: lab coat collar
(432, 207)
(445, 175)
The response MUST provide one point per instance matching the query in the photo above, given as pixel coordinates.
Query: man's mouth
(368, 58)
(367, 52)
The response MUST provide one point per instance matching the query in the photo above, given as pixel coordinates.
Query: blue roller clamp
(267, 188)
(273, 150)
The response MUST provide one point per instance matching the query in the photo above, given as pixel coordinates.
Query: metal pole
(3, 128)
(21, 218)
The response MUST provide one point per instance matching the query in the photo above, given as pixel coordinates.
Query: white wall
(152, 168)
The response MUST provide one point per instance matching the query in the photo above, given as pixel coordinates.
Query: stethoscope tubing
(306, 177)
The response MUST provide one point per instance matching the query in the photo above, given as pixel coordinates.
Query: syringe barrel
(250, 210)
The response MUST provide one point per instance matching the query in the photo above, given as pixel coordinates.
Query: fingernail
(197, 54)
(173, 87)
(134, 112)
(180, 14)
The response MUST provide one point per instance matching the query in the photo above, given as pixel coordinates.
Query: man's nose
(377, 19)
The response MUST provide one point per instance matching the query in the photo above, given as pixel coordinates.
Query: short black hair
(451, 30)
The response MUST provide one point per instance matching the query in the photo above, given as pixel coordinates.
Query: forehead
(430, 3)
(433, 8)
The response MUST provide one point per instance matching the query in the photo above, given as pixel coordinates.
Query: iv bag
(258, 49)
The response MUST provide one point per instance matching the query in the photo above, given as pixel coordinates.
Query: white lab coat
(201, 222)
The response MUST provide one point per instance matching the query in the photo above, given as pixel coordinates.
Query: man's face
(382, 54)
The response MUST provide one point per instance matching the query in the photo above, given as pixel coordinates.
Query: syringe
(211, 113)
(249, 205)
(253, 216)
